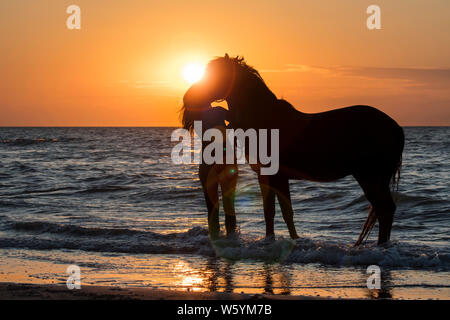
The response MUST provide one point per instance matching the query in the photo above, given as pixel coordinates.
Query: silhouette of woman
(213, 175)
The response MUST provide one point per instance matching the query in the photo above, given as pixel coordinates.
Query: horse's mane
(240, 62)
(252, 90)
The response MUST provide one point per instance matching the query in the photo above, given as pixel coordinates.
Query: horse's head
(215, 85)
(249, 100)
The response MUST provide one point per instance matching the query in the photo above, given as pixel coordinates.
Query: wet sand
(40, 276)
(21, 291)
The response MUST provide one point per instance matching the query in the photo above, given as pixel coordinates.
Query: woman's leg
(210, 184)
(228, 181)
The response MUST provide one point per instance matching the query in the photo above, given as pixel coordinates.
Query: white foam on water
(304, 250)
(49, 236)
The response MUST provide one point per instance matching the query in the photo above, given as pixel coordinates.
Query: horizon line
(404, 126)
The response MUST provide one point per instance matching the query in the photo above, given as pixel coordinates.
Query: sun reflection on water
(187, 277)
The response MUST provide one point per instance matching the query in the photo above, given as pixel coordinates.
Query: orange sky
(123, 68)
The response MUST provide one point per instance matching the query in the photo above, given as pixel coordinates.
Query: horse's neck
(254, 105)
(262, 110)
(248, 113)
(249, 99)
(284, 106)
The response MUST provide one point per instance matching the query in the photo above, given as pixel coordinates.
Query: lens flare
(193, 72)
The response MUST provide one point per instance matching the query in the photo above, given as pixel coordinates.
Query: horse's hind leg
(386, 208)
(377, 192)
(281, 186)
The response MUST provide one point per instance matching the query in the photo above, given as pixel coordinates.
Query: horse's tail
(395, 181)
(393, 185)
(368, 226)
(372, 217)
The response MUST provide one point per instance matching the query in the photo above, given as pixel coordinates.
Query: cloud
(439, 77)
(417, 75)
(151, 84)
(297, 68)
(139, 84)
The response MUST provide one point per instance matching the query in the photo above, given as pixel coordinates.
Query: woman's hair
(190, 114)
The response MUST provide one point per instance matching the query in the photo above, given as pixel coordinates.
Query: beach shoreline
(28, 291)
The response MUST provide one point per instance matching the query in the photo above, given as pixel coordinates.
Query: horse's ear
(227, 56)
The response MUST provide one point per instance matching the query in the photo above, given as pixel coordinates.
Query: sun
(193, 72)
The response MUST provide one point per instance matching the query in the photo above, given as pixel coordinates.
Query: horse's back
(332, 144)
(350, 124)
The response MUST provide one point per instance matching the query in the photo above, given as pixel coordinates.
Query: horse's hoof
(385, 244)
(213, 237)
(232, 236)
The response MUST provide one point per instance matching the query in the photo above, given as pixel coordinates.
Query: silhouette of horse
(359, 140)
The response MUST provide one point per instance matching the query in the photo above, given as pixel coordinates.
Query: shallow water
(111, 201)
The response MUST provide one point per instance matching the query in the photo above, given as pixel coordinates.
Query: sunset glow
(130, 65)
(193, 72)
(218, 159)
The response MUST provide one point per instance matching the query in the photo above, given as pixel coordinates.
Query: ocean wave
(21, 167)
(44, 191)
(105, 188)
(196, 241)
(96, 246)
(325, 197)
(26, 142)
(53, 228)
(404, 198)
(392, 255)
(305, 251)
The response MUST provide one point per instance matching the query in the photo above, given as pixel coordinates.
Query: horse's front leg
(268, 196)
(281, 186)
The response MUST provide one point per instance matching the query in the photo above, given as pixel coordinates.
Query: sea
(112, 202)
